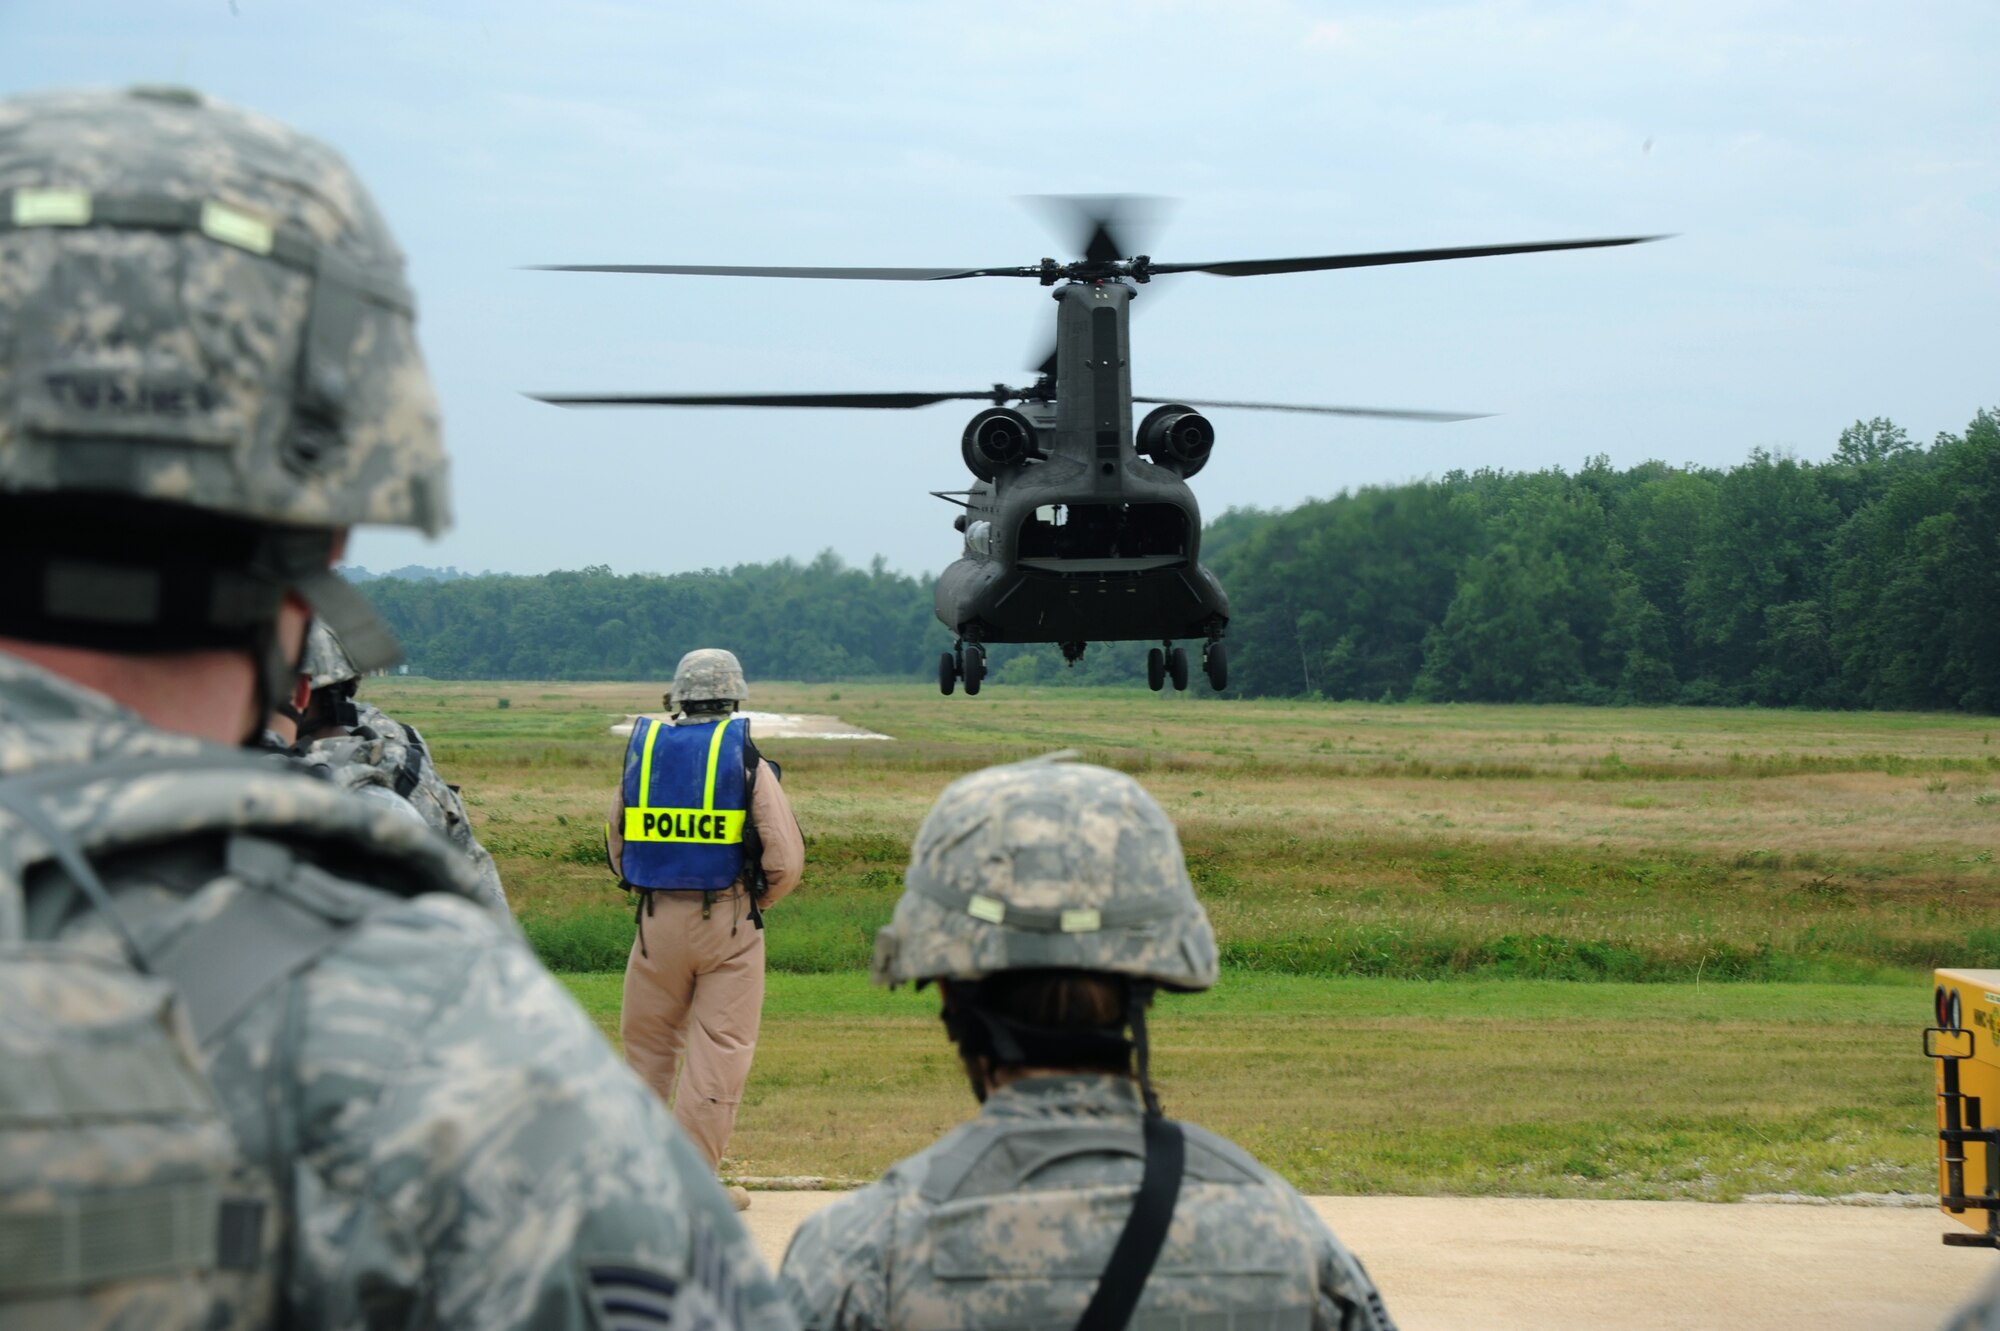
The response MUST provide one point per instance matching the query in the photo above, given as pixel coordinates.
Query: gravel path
(1490, 1264)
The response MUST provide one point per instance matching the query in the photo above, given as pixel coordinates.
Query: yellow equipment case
(1965, 1043)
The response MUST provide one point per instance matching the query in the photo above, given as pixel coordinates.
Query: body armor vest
(686, 803)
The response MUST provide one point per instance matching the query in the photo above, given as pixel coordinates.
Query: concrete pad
(1491, 1264)
(778, 725)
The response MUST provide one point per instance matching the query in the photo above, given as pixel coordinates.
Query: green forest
(1868, 580)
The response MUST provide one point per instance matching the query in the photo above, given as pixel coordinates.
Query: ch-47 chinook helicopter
(1077, 528)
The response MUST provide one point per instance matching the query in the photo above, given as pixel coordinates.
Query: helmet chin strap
(277, 674)
(1139, 997)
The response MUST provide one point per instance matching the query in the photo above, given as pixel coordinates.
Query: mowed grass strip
(1658, 845)
(1517, 1088)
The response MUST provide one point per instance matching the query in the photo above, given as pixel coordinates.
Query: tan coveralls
(698, 983)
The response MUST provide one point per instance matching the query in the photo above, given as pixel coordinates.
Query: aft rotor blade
(1261, 267)
(1103, 228)
(876, 400)
(837, 274)
(1374, 413)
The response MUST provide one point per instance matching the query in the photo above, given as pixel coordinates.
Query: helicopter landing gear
(1072, 652)
(965, 663)
(1166, 662)
(1215, 664)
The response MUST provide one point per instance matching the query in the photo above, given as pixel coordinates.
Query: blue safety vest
(685, 805)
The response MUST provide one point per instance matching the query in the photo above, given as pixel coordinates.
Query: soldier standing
(1049, 900)
(359, 746)
(257, 1043)
(701, 830)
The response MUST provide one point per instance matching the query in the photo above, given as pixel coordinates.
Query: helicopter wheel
(947, 674)
(1177, 668)
(1215, 664)
(973, 671)
(1156, 670)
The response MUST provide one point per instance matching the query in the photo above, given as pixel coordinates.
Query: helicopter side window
(1040, 532)
(979, 539)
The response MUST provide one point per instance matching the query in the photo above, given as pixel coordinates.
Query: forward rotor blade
(1261, 267)
(836, 274)
(1374, 413)
(863, 400)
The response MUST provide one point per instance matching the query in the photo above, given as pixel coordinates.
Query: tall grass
(1660, 845)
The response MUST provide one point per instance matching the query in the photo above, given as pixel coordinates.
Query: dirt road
(1455, 1264)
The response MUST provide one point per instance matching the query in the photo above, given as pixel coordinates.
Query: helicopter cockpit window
(1104, 531)
(979, 539)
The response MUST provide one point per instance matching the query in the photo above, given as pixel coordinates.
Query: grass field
(1468, 949)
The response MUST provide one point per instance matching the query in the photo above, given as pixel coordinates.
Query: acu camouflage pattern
(1047, 865)
(161, 363)
(385, 755)
(325, 662)
(1008, 1221)
(454, 1143)
(709, 674)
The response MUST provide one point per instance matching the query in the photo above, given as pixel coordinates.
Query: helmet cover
(1045, 865)
(709, 674)
(202, 307)
(325, 662)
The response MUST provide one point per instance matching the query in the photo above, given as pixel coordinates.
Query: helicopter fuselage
(1083, 539)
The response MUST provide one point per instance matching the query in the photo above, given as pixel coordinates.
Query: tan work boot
(738, 1197)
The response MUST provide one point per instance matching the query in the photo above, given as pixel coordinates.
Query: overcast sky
(1832, 169)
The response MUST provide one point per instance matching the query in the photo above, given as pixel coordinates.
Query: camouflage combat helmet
(708, 674)
(325, 661)
(202, 309)
(1047, 865)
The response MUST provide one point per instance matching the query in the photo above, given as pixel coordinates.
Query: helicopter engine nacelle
(996, 439)
(1177, 437)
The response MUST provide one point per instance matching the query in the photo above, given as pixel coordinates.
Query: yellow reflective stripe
(51, 207)
(714, 752)
(233, 226)
(646, 765)
(706, 827)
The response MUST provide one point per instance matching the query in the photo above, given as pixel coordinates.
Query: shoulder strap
(1145, 1231)
(751, 757)
(292, 913)
(221, 966)
(753, 838)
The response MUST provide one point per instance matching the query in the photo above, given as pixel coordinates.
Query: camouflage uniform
(1010, 1219)
(203, 319)
(453, 1142)
(382, 754)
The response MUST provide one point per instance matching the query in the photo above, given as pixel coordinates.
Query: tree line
(1871, 579)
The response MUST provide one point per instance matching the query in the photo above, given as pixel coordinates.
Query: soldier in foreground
(360, 747)
(701, 830)
(1049, 900)
(257, 1043)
